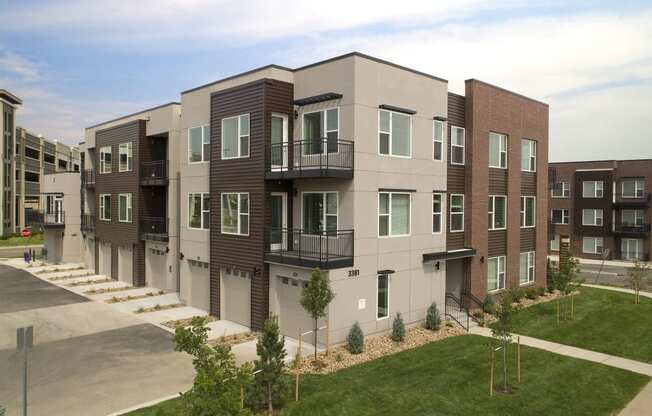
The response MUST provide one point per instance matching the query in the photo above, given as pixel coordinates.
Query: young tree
(270, 383)
(501, 329)
(398, 328)
(216, 388)
(566, 277)
(355, 339)
(638, 276)
(315, 299)
(433, 320)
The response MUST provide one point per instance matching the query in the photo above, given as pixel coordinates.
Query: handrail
(156, 169)
(475, 301)
(322, 153)
(322, 245)
(457, 303)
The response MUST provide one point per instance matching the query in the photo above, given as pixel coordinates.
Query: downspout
(178, 250)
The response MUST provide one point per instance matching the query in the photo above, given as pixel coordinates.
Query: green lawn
(13, 241)
(605, 321)
(451, 377)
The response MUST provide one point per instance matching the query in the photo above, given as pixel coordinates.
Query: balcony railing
(323, 249)
(54, 219)
(627, 229)
(88, 223)
(154, 228)
(88, 178)
(310, 158)
(642, 200)
(154, 173)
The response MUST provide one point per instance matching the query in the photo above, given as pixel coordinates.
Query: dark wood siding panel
(497, 181)
(528, 239)
(454, 241)
(604, 203)
(455, 174)
(528, 183)
(497, 243)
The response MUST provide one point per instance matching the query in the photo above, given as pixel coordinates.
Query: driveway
(88, 358)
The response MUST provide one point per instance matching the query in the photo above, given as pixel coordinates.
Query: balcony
(154, 173)
(324, 249)
(643, 200)
(88, 178)
(88, 223)
(321, 158)
(631, 230)
(54, 219)
(154, 228)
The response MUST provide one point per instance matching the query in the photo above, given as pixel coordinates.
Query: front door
(279, 221)
(279, 146)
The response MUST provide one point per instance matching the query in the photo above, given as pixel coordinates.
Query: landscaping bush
(532, 293)
(398, 328)
(355, 339)
(515, 294)
(541, 290)
(433, 320)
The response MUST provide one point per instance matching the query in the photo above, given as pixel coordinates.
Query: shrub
(398, 328)
(489, 305)
(355, 339)
(515, 294)
(433, 320)
(541, 290)
(532, 293)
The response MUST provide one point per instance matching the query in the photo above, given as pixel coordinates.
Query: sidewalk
(619, 289)
(641, 404)
(616, 263)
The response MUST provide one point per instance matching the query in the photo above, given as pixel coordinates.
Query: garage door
(156, 269)
(293, 319)
(125, 264)
(105, 259)
(237, 295)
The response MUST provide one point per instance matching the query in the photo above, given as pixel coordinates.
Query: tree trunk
(270, 408)
(505, 365)
(315, 339)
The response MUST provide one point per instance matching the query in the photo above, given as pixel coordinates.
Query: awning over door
(449, 255)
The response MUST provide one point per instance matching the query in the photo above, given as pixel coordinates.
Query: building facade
(8, 105)
(62, 217)
(604, 207)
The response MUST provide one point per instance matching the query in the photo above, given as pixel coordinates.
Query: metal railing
(313, 154)
(473, 303)
(33, 217)
(642, 199)
(54, 218)
(88, 177)
(155, 170)
(321, 246)
(88, 222)
(454, 310)
(153, 228)
(631, 229)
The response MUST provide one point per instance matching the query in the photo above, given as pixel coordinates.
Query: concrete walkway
(642, 403)
(619, 289)
(616, 263)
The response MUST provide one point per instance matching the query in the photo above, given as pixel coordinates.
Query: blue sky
(78, 62)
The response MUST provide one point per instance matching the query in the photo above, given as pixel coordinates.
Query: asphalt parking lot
(88, 358)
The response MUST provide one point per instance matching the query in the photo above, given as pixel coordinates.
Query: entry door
(279, 221)
(58, 209)
(279, 147)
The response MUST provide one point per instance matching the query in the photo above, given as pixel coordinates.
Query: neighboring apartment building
(8, 105)
(345, 165)
(62, 217)
(604, 207)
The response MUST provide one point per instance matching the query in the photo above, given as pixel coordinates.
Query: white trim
(391, 136)
(636, 217)
(324, 133)
(442, 141)
(284, 220)
(524, 211)
(532, 147)
(492, 210)
(239, 213)
(284, 143)
(567, 216)
(388, 294)
(239, 137)
(500, 260)
(595, 189)
(103, 164)
(451, 213)
(595, 244)
(503, 138)
(463, 146)
(638, 254)
(593, 170)
(130, 157)
(128, 208)
(565, 190)
(530, 265)
(102, 205)
(389, 215)
(595, 217)
(205, 133)
(442, 213)
(636, 182)
(325, 215)
(201, 212)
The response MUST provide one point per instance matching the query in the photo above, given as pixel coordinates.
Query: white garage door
(237, 295)
(293, 319)
(125, 264)
(155, 268)
(105, 259)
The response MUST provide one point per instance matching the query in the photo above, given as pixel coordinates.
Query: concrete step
(184, 312)
(66, 282)
(85, 288)
(149, 302)
(123, 293)
(66, 274)
(55, 267)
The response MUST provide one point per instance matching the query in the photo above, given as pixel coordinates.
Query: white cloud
(18, 66)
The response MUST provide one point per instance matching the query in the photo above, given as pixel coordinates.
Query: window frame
(128, 207)
(451, 213)
(530, 267)
(524, 211)
(595, 189)
(563, 217)
(442, 199)
(640, 248)
(388, 279)
(239, 137)
(565, 190)
(501, 151)
(462, 146)
(130, 157)
(595, 217)
(239, 213)
(103, 164)
(501, 260)
(557, 238)
(492, 212)
(325, 214)
(324, 147)
(441, 142)
(531, 156)
(595, 241)
(391, 136)
(389, 214)
(202, 210)
(636, 189)
(205, 139)
(103, 206)
(636, 217)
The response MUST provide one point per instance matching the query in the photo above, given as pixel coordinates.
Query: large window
(124, 207)
(592, 245)
(560, 216)
(125, 157)
(235, 137)
(199, 210)
(438, 140)
(105, 159)
(457, 145)
(199, 144)
(105, 207)
(235, 213)
(633, 188)
(320, 212)
(554, 243)
(32, 153)
(631, 249)
(437, 212)
(527, 268)
(592, 217)
(456, 212)
(497, 150)
(528, 211)
(393, 214)
(497, 212)
(528, 155)
(495, 273)
(592, 189)
(560, 190)
(31, 176)
(382, 305)
(632, 217)
(320, 126)
(394, 133)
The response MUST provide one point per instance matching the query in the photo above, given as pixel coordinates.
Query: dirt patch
(159, 308)
(70, 276)
(109, 290)
(117, 299)
(185, 322)
(234, 339)
(89, 282)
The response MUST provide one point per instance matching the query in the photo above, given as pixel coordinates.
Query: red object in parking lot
(25, 233)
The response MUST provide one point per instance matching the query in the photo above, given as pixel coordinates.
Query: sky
(75, 63)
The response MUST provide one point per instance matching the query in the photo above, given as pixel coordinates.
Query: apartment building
(370, 171)
(603, 206)
(62, 218)
(8, 104)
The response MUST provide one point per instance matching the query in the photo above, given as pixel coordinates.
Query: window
(592, 189)
(457, 145)
(528, 209)
(394, 133)
(526, 268)
(32, 153)
(592, 217)
(235, 213)
(497, 212)
(124, 207)
(235, 137)
(560, 190)
(633, 188)
(560, 216)
(528, 155)
(393, 214)
(199, 205)
(495, 273)
(320, 212)
(199, 144)
(50, 158)
(592, 245)
(321, 131)
(63, 164)
(125, 157)
(438, 140)
(437, 210)
(31, 176)
(105, 159)
(105, 207)
(632, 217)
(457, 213)
(497, 150)
(382, 306)
(631, 249)
(554, 243)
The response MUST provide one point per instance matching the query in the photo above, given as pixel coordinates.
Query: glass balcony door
(279, 140)
(279, 221)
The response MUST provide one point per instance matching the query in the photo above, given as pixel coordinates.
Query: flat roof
(601, 161)
(9, 97)
(134, 114)
(506, 90)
